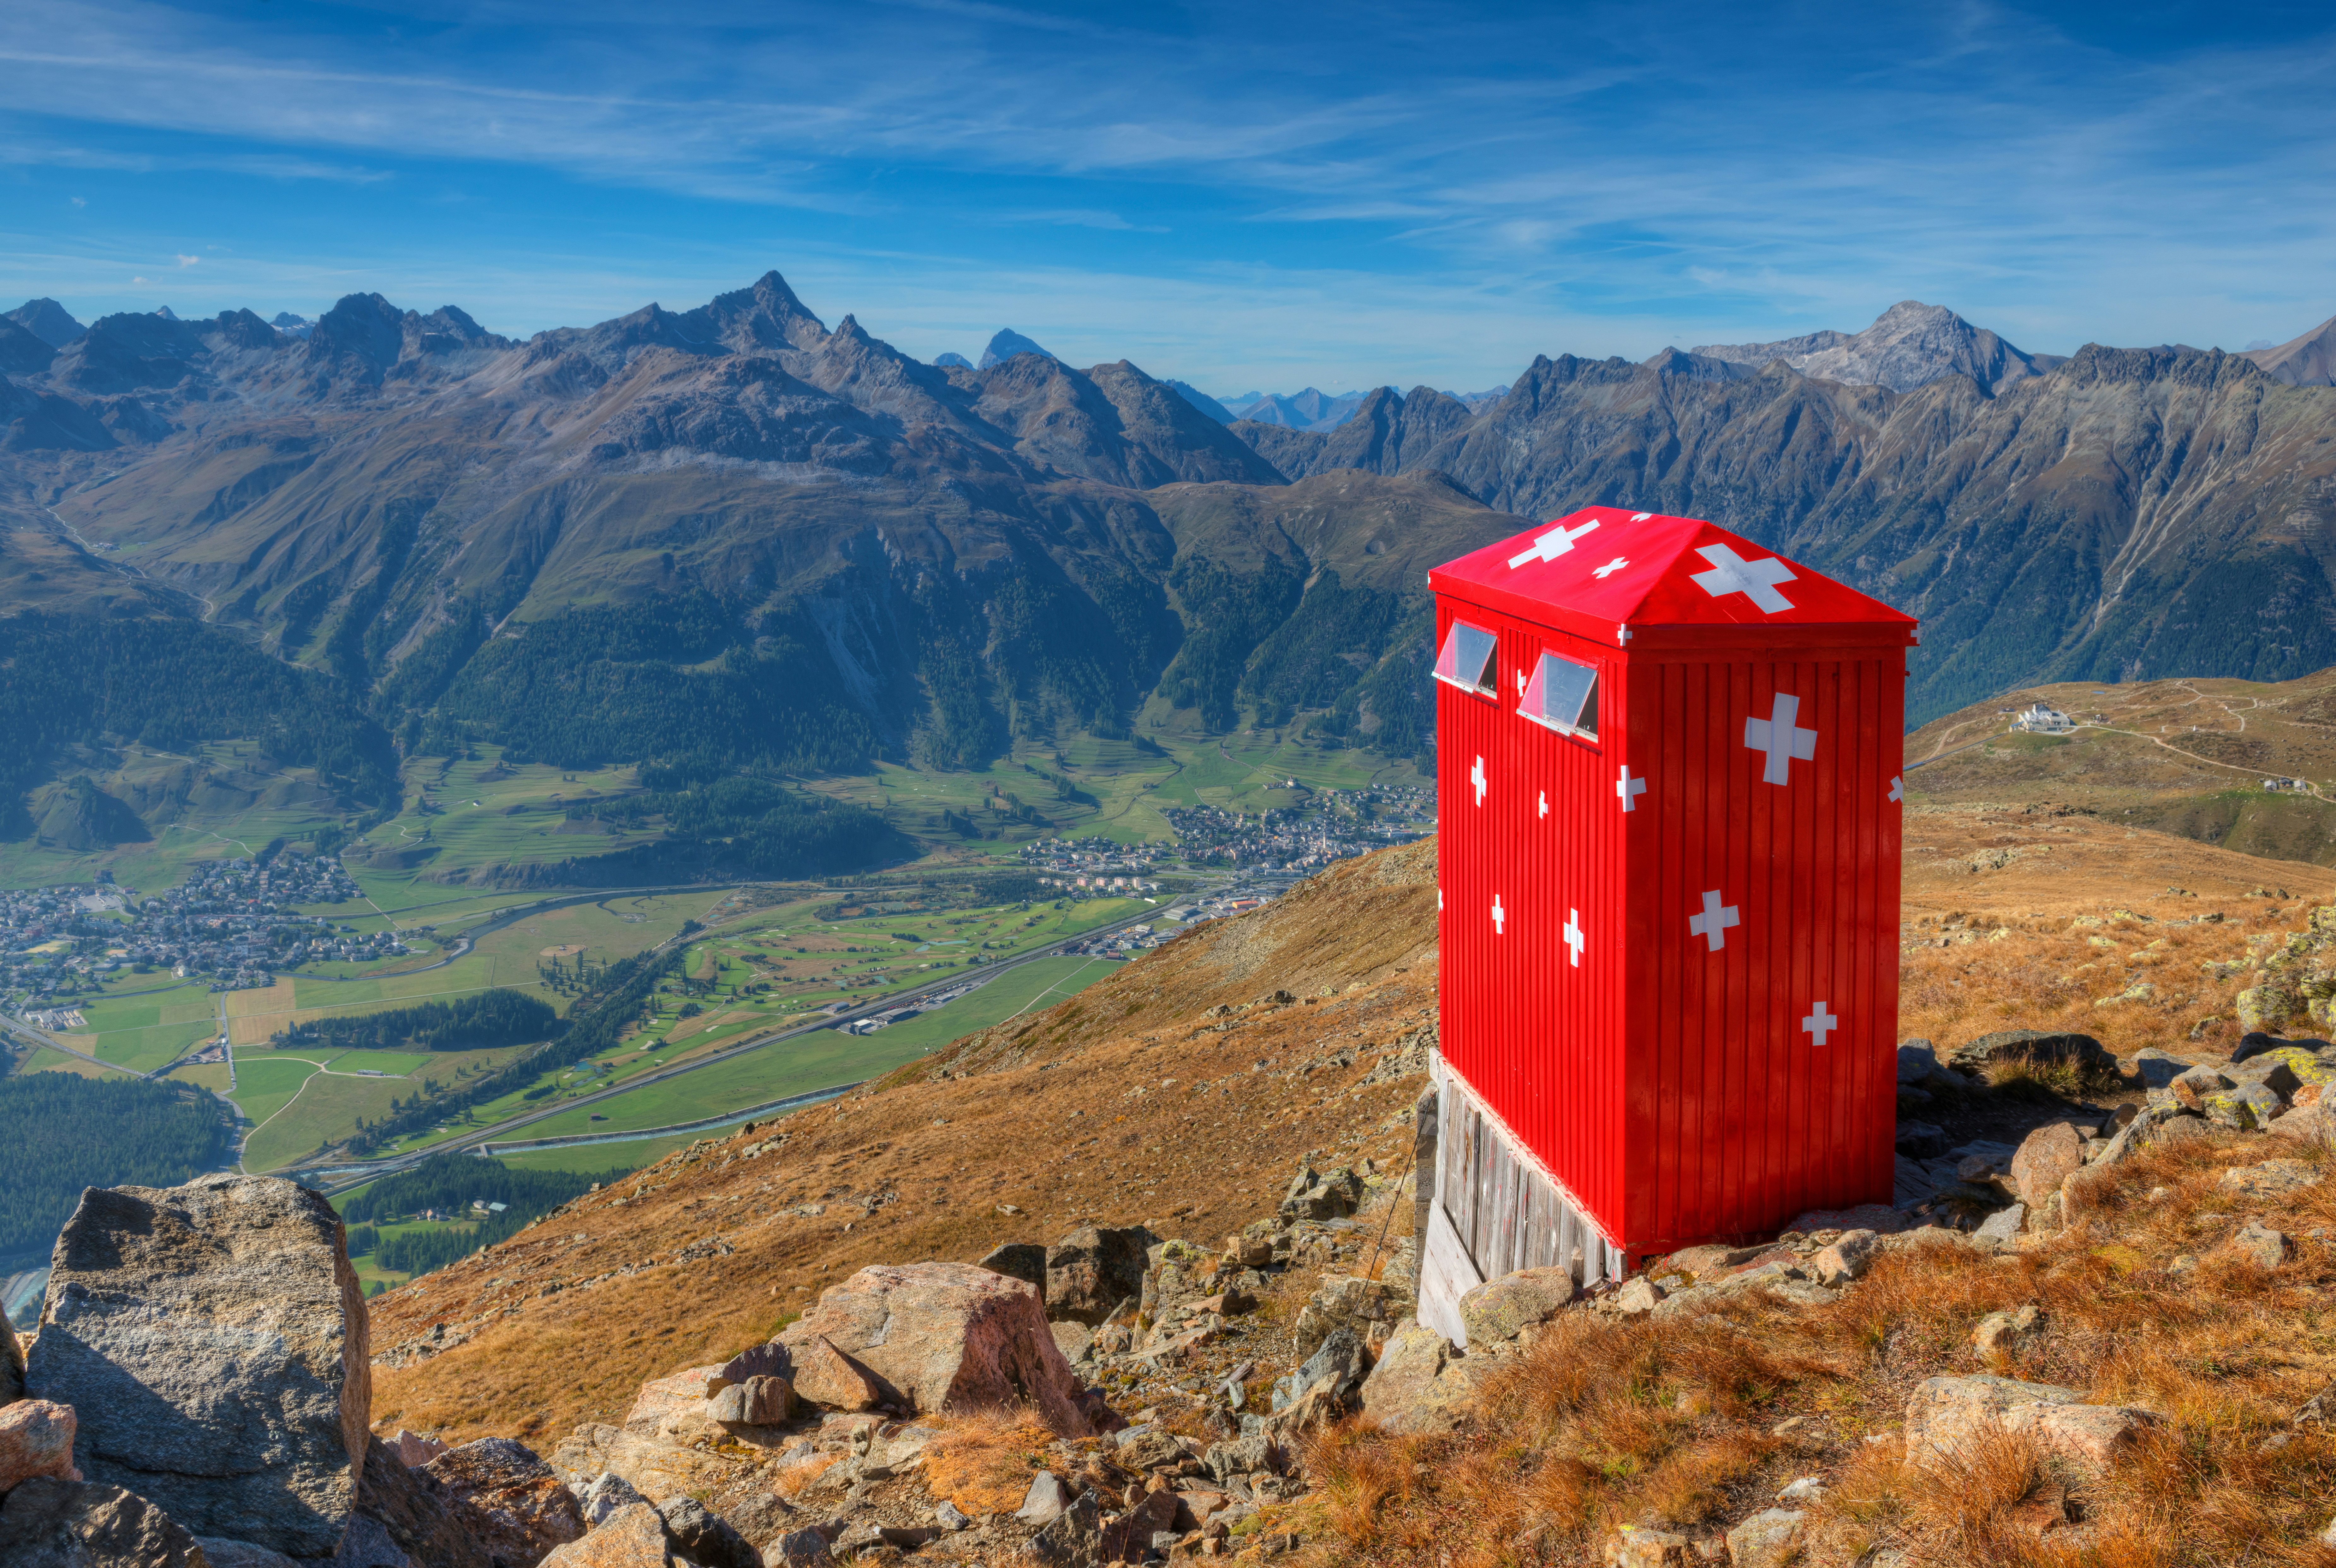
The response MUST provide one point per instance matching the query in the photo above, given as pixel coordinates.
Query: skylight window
(1563, 696)
(1469, 660)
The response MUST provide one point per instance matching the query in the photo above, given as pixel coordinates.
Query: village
(233, 922)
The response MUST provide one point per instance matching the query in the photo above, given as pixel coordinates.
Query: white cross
(1545, 803)
(1521, 683)
(1641, 516)
(1756, 580)
(1557, 541)
(1778, 736)
(1819, 1024)
(1621, 632)
(1476, 777)
(1610, 567)
(1574, 938)
(1499, 914)
(1630, 789)
(1439, 901)
(1897, 789)
(1713, 923)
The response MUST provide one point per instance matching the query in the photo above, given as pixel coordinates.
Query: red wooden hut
(1669, 812)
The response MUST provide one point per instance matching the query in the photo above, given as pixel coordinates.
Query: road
(503, 1129)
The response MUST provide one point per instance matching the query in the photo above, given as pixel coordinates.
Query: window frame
(1589, 701)
(1480, 687)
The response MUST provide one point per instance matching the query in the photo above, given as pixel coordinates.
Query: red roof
(1603, 569)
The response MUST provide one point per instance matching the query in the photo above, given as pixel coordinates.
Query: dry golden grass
(1091, 1112)
(1677, 1423)
(983, 1461)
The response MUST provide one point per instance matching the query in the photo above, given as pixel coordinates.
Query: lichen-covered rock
(2047, 1156)
(1342, 1301)
(51, 1524)
(1945, 1415)
(633, 1537)
(948, 1337)
(37, 1439)
(1093, 1269)
(522, 1509)
(2272, 1179)
(1500, 1309)
(1422, 1383)
(2249, 1108)
(211, 1338)
(1769, 1539)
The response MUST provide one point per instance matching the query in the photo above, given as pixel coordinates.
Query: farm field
(483, 811)
(146, 1029)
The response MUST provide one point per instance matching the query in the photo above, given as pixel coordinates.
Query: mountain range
(735, 509)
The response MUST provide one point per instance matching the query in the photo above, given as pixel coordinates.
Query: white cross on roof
(1610, 567)
(1756, 580)
(1499, 915)
(1819, 1024)
(1713, 923)
(1778, 736)
(1557, 541)
(1476, 777)
(1573, 937)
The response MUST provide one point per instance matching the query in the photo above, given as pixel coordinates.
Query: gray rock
(212, 1339)
(1421, 1384)
(2037, 1045)
(2272, 1072)
(1023, 1260)
(2259, 1244)
(1946, 1413)
(2191, 1088)
(1500, 1309)
(606, 1494)
(756, 1402)
(797, 1549)
(51, 1524)
(1339, 1367)
(1342, 1301)
(1995, 1233)
(2047, 1156)
(1044, 1502)
(428, 1524)
(1917, 1060)
(2156, 1069)
(2249, 1108)
(37, 1439)
(2002, 1333)
(706, 1537)
(1075, 1539)
(1093, 1269)
(951, 1517)
(1310, 1196)
(1846, 1260)
(1920, 1140)
(769, 1359)
(12, 1366)
(1769, 1539)
(1254, 1452)
(366, 1544)
(222, 1553)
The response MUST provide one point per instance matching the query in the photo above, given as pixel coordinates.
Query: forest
(746, 824)
(450, 1183)
(170, 684)
(501, 1016)
(59, 1134)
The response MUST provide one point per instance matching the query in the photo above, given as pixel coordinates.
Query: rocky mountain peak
(1006, 345)
(1910, 344)
(2306, 361)
(47, 320)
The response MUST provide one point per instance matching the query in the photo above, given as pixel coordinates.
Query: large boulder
(522, 1510)
(1423, 1384)
(673, 1407)
(2036, 1044)
(706, 1537)
(52, 1523)
(1023, 1260)
(1343, 1301)
(826, 1377)
(1947, 1414)
(947, 1337)
(1093, 1269)
(211, 1338)
(1500, 1309)
(658, 1470)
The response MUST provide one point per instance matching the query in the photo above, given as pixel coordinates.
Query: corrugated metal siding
(1672, 1091)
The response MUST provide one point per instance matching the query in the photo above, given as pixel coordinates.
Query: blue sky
(1244, 196)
